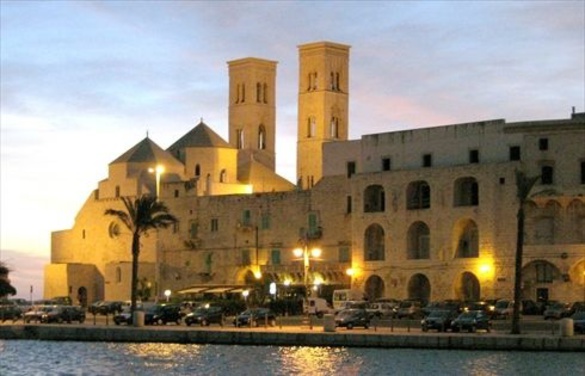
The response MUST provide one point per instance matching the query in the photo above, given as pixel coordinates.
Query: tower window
(261, 138)
(258, 92)
(386, 164)
(543, 144)
(514, 153)
(474, 156)
(350, 168)
(427, 160)
(546, 177)
(264, 93)
(240, 139)
(197, 170)
(334, 127)
(311, 125)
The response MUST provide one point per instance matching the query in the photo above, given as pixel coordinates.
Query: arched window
(311, 125)
(264, 93)
(258, 92)
(223, 176)
(240, 139)
(418, 195)
(334, 127)
(418, 241)
(261, 137)
(466, 192)
(374, 200)
(197, 170)
(374, 243)
(467, 239)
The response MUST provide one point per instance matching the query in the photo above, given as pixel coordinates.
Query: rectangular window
(543, 144)
(427, 160)
(348, 205)
(350, 169)
(176, 193)
(214, 225)
(474, 156)
(246, 218)
(546, 175)
(275, 257)
(246, 257)
(313, 225)
(193, 230)
(386, 164)
(265, 222)
(582, 172)
(514, 153)
(344, 254)
(544, 273)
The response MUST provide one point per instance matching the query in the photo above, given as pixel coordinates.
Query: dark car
(579, 322)
(205, 316)
(10, 312)
(557, 311)
(503, 309)
(162, 314)
(410, 309)
(124, 317)
(480, 306)
(255, 317)
(66, 314)
(472, 321)
(350, 318)
(439, 319)
(110, 308)
(35, 313)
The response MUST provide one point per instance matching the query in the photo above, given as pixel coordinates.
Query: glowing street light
(306, 255)
(158, 170)
(168, 294)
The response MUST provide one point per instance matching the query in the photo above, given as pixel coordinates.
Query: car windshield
(438, 313)
(502, 304)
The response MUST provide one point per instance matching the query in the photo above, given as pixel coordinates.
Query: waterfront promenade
(296, 335)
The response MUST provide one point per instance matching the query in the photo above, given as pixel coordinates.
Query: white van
(317, 306)
(345, 295)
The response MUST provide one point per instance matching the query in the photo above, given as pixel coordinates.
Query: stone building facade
(424, 214)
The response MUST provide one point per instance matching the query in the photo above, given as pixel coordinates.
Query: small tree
(142, 214)
(524, 185)
(5, 287)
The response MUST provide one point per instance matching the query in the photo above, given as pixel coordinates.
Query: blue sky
(83, 81)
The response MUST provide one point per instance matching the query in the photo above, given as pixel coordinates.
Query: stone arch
(374, 287)
(576, 220)
(466, 239)
(418, 195)
(467, 287)
(537, 279)
(466, 192)
(418, 241)
(419, 288)
(374, 200)
(374, 247)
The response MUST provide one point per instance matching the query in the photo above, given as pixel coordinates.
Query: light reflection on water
(21, 357)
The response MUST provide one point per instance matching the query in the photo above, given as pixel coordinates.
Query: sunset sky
(83, 81)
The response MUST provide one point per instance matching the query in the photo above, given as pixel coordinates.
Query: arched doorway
(468, 288)
(82, 296)
(374, 288)
(419, 288)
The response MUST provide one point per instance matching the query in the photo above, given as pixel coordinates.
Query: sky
(81, 82)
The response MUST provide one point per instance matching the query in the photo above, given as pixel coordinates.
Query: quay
(295, 336)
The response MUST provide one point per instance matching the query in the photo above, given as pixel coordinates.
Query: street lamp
(158, 170)
(245, 294)
(306, 255)
(168, 294)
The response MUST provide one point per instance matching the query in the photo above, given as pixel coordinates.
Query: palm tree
(524, 185)
(141, 215)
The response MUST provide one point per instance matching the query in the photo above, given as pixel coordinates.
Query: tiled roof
(146, 151)
(201, 136)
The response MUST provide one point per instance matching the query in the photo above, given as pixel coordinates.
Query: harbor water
(26, 357)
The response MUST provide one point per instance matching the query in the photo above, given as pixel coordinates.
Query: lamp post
(158, 170)
(306, 255)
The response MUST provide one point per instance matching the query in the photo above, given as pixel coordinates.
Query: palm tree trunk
(134, 282)
(518, 270)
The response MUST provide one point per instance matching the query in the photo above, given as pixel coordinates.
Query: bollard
(329, 323)
(94, 319)
(107, 322)
(408, 325)
(392, 323)
(266, 320)
(566, 327)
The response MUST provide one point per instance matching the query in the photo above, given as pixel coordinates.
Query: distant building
(424, 214)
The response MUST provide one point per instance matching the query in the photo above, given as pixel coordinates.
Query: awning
(218, 290)
(193, 290)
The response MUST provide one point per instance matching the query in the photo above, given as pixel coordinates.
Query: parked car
(557, 311)
(68, 314)
(205, 316)
(350, 318)
(480, 306)
(110, 308)
(438, 319)
(124, 317)
(10, 312)
(161, 314)
(36, 312)
(255, 317)
(381, 310)
(410, 309)
(472, 321)
(530, 307)
(579, 322)
(577, 307)
(503, 309)
(317, 307)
